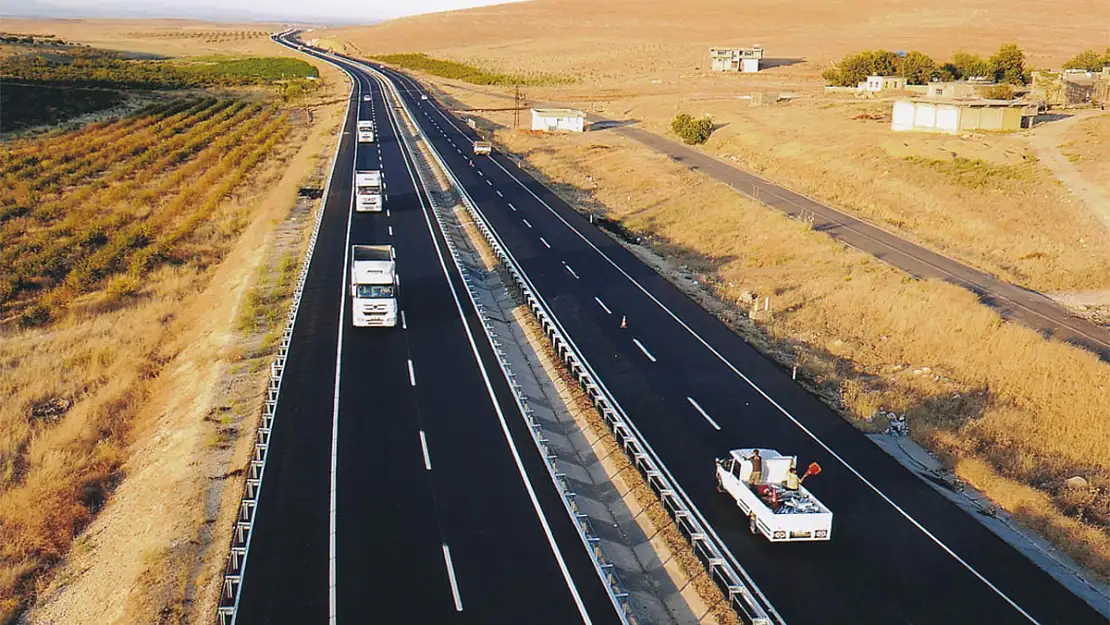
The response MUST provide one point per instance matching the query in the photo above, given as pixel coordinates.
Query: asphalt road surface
(444, 510)
(900, 552)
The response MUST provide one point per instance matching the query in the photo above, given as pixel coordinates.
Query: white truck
(369, 191)
(482, 147)
(373, 286)
(366, 130)
(779, 514)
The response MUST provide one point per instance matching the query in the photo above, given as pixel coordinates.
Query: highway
(900, 552)
(402, 484)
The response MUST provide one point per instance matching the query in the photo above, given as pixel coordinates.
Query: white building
(554, 120)
(736, 59)
(955, 116)
(875, 84)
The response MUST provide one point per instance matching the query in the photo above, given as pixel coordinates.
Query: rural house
(964, 115)
(553, 120)
(736, 59)
(875, 84)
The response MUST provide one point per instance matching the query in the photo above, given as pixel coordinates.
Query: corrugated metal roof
(559, 113)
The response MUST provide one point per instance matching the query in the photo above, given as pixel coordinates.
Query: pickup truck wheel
(752, 527)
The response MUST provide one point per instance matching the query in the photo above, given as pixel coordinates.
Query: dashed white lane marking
(571, 271)
(512, 207)
(602, 304)
(703, 412)
(644, 349)
(545, 243)
(480, 173)
(499, 194)
(526, 223)
(424, 447)
(451, 578)
(412, 374)
(404, 324)
(488, 182)
(390, 230)
(393, 253)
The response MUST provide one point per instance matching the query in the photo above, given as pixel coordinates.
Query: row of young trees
(1005, 66)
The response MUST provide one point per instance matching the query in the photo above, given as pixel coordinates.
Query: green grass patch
(469, 73)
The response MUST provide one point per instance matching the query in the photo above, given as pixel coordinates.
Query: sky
(353, 10)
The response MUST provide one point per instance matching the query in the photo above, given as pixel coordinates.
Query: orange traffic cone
(624, 322)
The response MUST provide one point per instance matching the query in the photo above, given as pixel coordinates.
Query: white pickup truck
(373, 286)
(779, 514)
(369, 191)
(366, 130)
(483, 147)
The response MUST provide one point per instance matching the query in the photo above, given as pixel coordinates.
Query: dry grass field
(1010, 412)
(136, 251)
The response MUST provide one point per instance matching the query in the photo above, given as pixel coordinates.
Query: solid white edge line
(545, 243)
(602, 304)
(451, 578)
(424, 448)
(787, 414)
(412, 374)
(555, 550)
(703, 413)
(644, 349)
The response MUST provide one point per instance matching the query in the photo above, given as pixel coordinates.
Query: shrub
(999, 92)
(34, 316)
(692, 131)
(1089, 60)
(1008, 65)
(855, 68)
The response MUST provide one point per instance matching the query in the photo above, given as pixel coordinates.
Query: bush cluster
(1006, 66)
(1089, 60)
(692, 131)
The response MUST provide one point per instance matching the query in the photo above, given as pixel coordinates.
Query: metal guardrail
(736, 590)
(586, 532)
(228, 605)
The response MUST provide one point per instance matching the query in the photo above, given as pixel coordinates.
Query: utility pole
(518, 103)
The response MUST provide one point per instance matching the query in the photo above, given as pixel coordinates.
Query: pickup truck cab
(779, 514)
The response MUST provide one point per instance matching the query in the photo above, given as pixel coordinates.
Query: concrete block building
(554, 120)
(736, 59)
(955, 116)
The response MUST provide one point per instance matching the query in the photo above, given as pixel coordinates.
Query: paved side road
(1014, 303)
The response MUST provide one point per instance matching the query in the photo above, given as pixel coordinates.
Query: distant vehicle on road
(423, 96)
(483, 147)
(373, 286)
(780, 514)
(369, 191)
(366, 98)
(365, 131)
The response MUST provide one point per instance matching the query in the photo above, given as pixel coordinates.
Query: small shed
(554, 120)
(954, 116)
(875, 84)
(736, 59)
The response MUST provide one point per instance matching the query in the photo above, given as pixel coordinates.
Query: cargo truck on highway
(366, 130)
(774, 510)
(482, 147)
(369, 191)
(373, 286)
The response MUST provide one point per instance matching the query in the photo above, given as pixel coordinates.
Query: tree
(855, 68)
(1088, 59)
(692, 130)
(1008, 65)
(999, 92)
(966, 65)
(918, 68)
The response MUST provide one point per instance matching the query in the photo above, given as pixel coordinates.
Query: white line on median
(703, 412)
(424, 447)
(571, 271)
(644, 349)
(545, 243)
(412, 374)
(451, 578)
(602, 304)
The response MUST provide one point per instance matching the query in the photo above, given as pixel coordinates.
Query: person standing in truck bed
(756, 475)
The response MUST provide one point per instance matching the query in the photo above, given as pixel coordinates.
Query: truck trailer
(366, 130)
(373, 286)
(780, 514)
(369, 191)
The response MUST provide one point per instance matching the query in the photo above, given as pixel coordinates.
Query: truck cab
(369, 191)
(779, 514)
(365, 130)
(373, 286)
(483, 147)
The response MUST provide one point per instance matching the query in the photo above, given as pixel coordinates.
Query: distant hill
(180, 10)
